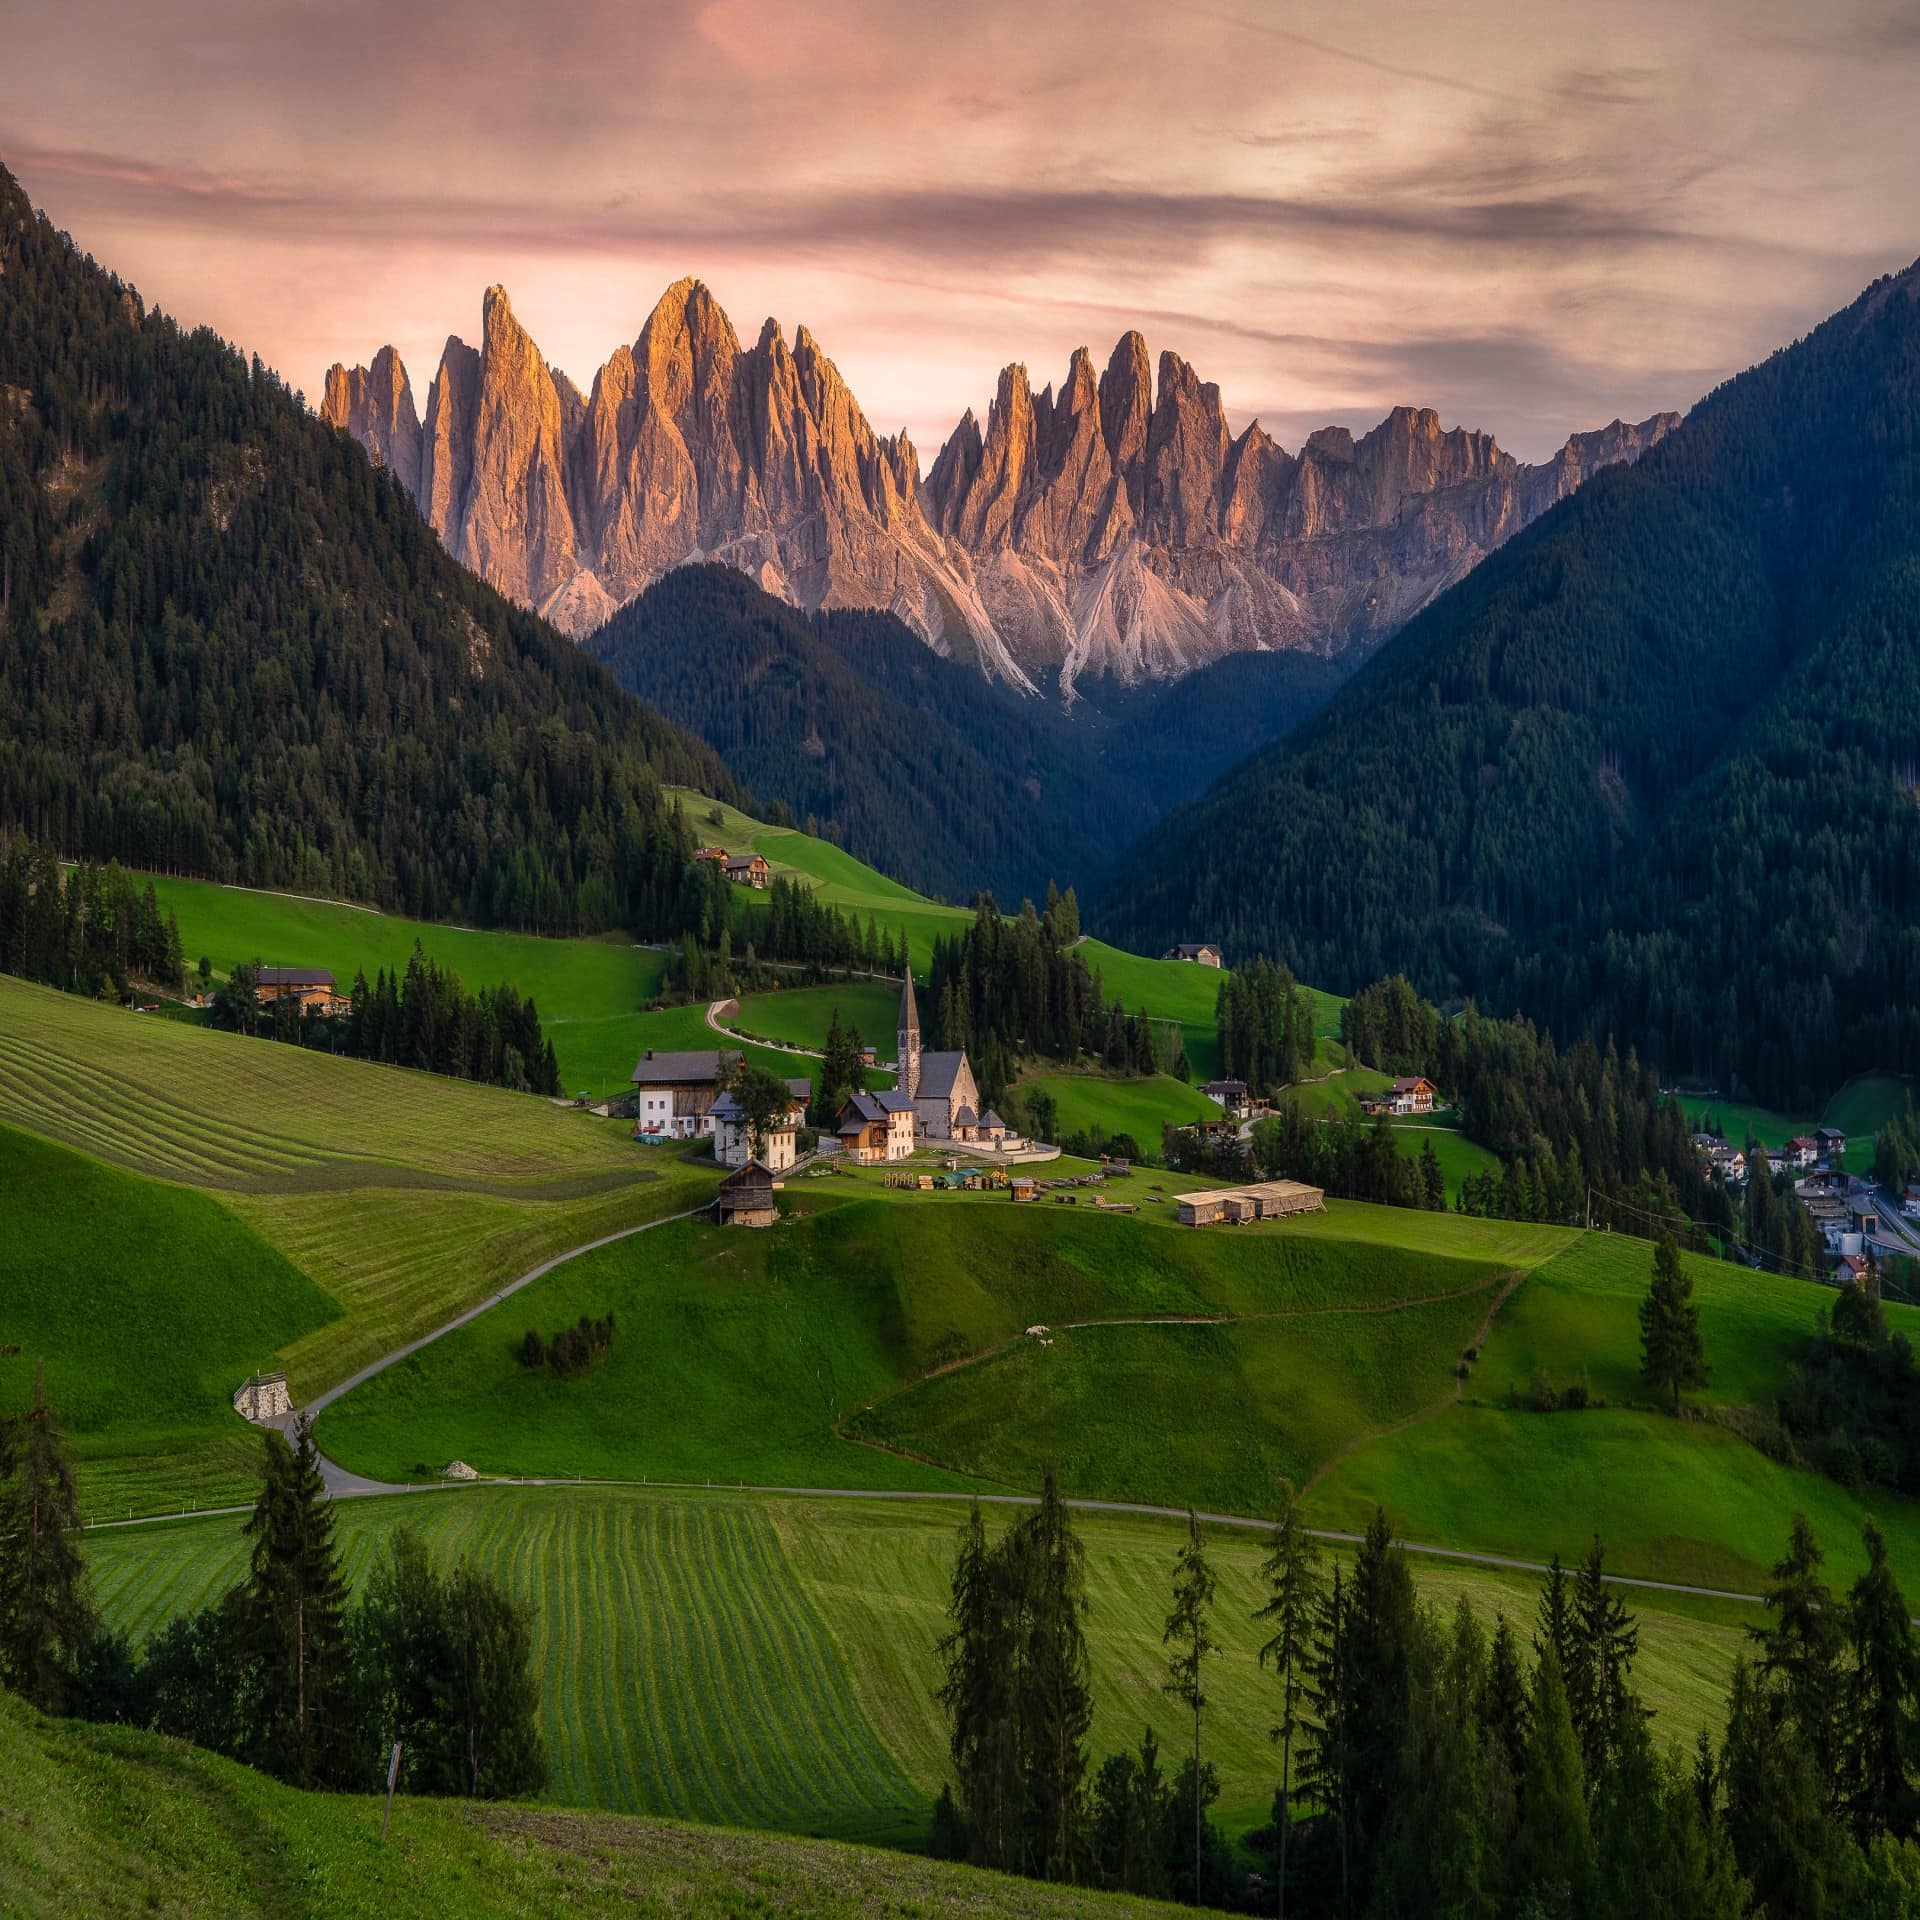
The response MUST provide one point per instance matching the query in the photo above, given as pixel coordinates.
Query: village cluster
(687, 1096)
(1847, 1210)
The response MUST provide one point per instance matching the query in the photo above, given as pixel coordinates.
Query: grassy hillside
(402, 1196)
(801, 1015)
(106, 1822)
(755, 1345)
(148, 1305)
(770, 1660)
(1139, 1106)
(587, 990)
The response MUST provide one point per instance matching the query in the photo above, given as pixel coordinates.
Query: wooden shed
(746, 1197)
(1267, 1200)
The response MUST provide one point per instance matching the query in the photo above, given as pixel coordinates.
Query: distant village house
(313, 987)
(747, 870)
(1201, 952)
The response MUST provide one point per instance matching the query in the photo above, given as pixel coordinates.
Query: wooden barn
(1268, 1200)
(746, 1197)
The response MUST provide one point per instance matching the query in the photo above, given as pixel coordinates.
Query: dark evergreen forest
(230, 646)
(1648, 773)
(915, 763)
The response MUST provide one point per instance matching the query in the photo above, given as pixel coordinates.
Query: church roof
(938, 1072)
(993, 1120)
(909, 1012)
(966, 1117)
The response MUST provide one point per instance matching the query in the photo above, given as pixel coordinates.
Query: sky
(1533, 218)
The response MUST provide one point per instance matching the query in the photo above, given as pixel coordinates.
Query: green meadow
(290, 1209)
(587, 990)
(769, 1661)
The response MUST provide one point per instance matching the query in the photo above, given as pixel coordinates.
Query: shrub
(1540, 1394)
(533, 1349)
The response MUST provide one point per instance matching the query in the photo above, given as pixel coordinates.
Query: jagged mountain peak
(1110, 524)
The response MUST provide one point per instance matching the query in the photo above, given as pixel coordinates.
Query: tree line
(423, 1018)
(179, 693)
(92, 931)
(1426, 1766)
(285, 1671)
(1008, 988)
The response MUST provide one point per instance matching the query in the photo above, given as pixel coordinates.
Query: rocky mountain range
(1115, 527)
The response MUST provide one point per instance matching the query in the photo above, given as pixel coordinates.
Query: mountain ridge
(1116, 528)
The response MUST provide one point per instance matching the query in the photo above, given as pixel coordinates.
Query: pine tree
(1608, 1641)
(1189, 1633)
(1879, 1734)
(46, 1615)
(295, 1607)
(1672, 1354)
(975, 1692)
(1553, 1862)
(1800, 1647)
(1055, 1707)
(1295, 1588)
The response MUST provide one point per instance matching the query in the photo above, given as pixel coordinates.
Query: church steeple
(909, 1037)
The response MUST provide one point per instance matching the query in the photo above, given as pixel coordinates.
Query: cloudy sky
(1531, 216)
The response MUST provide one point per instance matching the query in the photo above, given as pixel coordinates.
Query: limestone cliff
(1115, 527)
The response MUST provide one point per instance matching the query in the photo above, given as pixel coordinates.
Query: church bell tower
(909, 1038)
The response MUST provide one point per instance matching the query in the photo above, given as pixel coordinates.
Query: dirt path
(1445, 1401)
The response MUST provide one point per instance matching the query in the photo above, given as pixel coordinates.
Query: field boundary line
(1239, 1521)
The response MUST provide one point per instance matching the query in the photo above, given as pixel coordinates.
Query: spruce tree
(1189, 1632)
(1879, 1733)
(1291, 1571)
(1608, 1642)
(1800, 1648)
(975, 1692)
(1055, 1705)
(295, 1610)
(1672, 1353)
(1553, 1863)
(1381, 1627)
(46, 1615)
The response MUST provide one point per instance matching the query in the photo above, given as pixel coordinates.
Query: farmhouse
(876, 1127)
(313, 987)
(1412, 1094)
(746, 1197)
(1803, 1150)
(677, 1092)
(1269, 1200)
(746, 869)
(1201, 952)
(1230, 1094)
(264, 1397)
(733, 1145)
(1829, 1142)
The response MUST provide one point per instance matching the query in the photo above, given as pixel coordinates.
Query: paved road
(338, 1479)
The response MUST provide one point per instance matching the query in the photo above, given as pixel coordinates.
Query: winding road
(345, 1485)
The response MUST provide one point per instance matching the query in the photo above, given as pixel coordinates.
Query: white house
(676, 1093)
(733, 1144)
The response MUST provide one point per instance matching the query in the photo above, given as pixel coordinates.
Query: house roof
(728, 1107)
(893, 1102)
(1186, 947)
(746, 859)
(1224, 1086)
(681, 1069)
(1412, 1083)
(294, 977)
(801, 1088)
(938, 1072)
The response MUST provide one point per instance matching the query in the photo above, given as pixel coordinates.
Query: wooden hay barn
(1268, 1200)
(746, 1197)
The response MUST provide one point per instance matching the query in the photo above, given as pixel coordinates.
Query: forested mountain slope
(230, 646)
(918, 764)
(1650, 769)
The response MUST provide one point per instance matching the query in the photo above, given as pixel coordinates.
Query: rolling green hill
(402, 1197)
(108, 1822)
